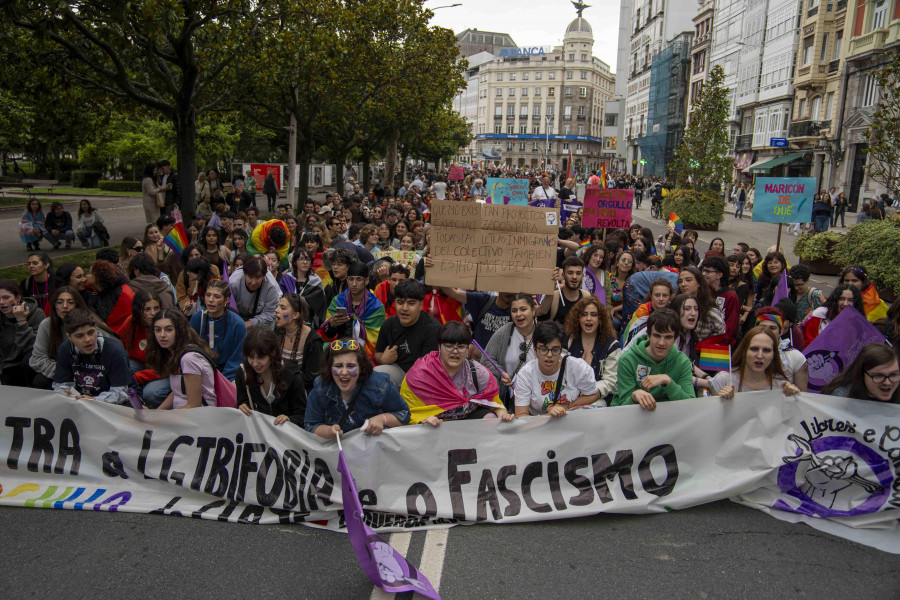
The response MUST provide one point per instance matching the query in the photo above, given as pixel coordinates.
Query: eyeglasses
(708, 271)
(523, 350)
(544, 350)
(455, 347)
(881, 378)
(337, 345)
(626, 261)
(138, 248)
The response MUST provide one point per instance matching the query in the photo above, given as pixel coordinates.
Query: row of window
(535, 130)
(809, 52)
(523, 92)
(536, 110)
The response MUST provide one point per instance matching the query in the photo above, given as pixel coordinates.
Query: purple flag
(231, 301)
(592, 284)
(386, 567)
(837, 346)
(782, 290)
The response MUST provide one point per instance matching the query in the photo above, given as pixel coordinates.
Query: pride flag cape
(366, 324)
(441, 307)
(259, 242)
(714, 357)
(676, 220)
(177, 239)
(428, 391)
(873, 305)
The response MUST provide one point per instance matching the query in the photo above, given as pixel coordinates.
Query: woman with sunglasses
(444, 385)
(349, 395)
(874, 375)
(510, 346)
(555, 382)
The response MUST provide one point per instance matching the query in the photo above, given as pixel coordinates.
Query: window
(498, 129)
(584, 57)
(829, 101)
(537, 110)
(813, 3)
(611, 120)
(565, 146)
(534, 146)
(499, 92)
(824, 48)
(569, 74)
(524, 92)
(567, 110)
(537, 91)
(512, 92)
(498, 111)
(551, 92)
(550, 110)
(582, 92)
(801, 111)
(511, 111)
(581, 130)
(837, 45)
(581, 111)
(523, 129)
(815, 108)
(512, 76)
(552, 76)
(879, 14)
(523, 110)
(509, 145)
(579, 146)
(499, 76)
(536, 130)
(869, 91)
(521, 146)
(584, 74)
(524, 76)
(807, 51)
(572, 56)
(510, 129)
(481, 129)
(538, 76)
(567, 129)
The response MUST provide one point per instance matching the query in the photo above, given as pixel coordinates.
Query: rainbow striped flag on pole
(177, 239)
(714, 357)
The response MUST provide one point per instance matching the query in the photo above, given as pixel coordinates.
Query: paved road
(720, 550)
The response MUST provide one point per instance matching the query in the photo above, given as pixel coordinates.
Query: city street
(719, 550)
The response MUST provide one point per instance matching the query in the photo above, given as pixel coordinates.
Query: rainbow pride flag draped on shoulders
(366, 319)
(259, 242)
(428, 390)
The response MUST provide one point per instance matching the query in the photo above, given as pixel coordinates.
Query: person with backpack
(221, 328)
(445, 385)
(554, 383)
(176, 351)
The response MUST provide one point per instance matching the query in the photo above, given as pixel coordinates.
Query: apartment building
(703, 23)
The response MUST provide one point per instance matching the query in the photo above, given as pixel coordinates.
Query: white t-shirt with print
(535, 390)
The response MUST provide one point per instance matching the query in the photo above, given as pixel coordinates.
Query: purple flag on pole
(837, 346)
(386, 567)
(782, 290)
(231, 301)
(592, 284)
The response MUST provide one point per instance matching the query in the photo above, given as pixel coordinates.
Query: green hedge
(704, 208)
(85, 178)
(816, 246)
(120, 186)
(873, 245)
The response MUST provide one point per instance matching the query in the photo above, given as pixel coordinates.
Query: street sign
(778, 142)
(643, 161)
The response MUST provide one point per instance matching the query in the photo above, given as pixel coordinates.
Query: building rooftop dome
(580, 28)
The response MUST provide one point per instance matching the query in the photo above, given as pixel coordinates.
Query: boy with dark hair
(89, 365)
(408, 335)
(58, 226)
(716, 272)
(556, 306)
(652, 370)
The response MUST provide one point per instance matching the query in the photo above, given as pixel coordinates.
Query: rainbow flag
(429, 392)
(177, 239)
(676, 220)
(603, 175)
(585, 242)
(714, 357)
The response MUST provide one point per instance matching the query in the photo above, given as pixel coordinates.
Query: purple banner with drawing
(837, 346)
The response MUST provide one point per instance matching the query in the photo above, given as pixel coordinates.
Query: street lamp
(445, 6)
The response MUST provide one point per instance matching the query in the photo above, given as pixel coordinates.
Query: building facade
(472, 41)
(537, 105)
(703, 24)
(653, 24)
(466, 102)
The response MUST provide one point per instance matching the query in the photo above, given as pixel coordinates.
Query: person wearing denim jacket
(347, 372)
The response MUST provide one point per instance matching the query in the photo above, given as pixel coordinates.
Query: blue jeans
(739, 211)
(821, 222)
(155, 392)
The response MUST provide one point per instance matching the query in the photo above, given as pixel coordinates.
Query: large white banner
(830, 462)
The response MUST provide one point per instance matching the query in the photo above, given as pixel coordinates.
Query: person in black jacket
(270, 189)
(267, 384)
(58, 226)
(167, 177)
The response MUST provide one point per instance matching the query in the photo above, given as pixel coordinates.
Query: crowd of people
(315, 320)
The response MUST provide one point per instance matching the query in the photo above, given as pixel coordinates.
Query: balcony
(810, 76)
(743, 142)
(834, 65)
(812, 12)
(868, 42)
(535, 117)
(582, 117)
(808, 128)
(567, 117)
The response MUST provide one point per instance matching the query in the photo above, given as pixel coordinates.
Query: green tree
(883, 135)
(438, 136)
(702, 160)
(177, 58)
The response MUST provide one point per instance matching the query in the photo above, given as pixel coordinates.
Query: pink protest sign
(456, 173)
(607, 208)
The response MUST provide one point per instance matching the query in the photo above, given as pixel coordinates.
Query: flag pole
(730, 375)
(778, 241)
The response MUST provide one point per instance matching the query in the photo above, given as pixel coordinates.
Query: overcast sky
(533, 22)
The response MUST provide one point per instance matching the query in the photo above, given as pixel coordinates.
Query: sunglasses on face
(338, 345)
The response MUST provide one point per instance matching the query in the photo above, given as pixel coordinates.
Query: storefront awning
(765, 167)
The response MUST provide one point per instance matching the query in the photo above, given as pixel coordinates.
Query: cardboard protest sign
(507, 190)
(456, 174)
(783, 199)
(607, 207)
(407, 257)
(493, 248)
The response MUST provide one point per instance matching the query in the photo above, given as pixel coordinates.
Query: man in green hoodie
(651, 369)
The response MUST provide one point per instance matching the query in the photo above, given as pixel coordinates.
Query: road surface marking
(432, 563)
